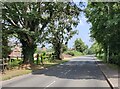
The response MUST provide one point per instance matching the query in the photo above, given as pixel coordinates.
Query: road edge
(107, 79)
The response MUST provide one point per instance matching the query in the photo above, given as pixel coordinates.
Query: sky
(84, 32)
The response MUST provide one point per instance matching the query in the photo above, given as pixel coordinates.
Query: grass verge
(13, 73)
(113, 66)
(17, 72)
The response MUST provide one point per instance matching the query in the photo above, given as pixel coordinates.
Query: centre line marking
(50, 84)
(67, 72)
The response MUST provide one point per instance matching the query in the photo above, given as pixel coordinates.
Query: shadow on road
(78, 68)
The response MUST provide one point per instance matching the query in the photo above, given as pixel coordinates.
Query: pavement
(111, 73)
(81, 72)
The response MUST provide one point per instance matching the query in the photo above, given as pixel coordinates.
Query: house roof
(16, 52)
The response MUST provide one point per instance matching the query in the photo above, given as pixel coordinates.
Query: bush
(115, 59)
(51, 57)
(70, 53)
(73, 53)
(15, 63)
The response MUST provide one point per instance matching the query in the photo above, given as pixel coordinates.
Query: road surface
(78, 72)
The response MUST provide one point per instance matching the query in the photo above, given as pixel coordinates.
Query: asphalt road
(78, 72)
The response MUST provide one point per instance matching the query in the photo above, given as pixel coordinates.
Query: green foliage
(14, 63)
(60, 28)
(73, 53)
(105, 20)
(70, 53)
(51, 57)
(5, 51)
(28, 21)
(115, 59)
(43, 55)
(64, 48)
(79, 45)
(5, 48)
(96, 48)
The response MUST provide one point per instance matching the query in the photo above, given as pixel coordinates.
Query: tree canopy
(31, 22)
(80, 45)
(105, 20)
(60, 29)
(27, 21)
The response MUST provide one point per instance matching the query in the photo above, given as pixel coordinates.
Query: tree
(64, 48)
(105, 20)
(96, 49)
(5, 48)
(79, 45)
(60, 29)
(27, 20)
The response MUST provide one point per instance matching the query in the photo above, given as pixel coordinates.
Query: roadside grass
(113, 66)
(13, 73)
(49, 64)
(17, 72)
(56, 62)
(73, 53)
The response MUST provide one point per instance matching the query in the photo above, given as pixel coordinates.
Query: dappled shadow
(78, 68)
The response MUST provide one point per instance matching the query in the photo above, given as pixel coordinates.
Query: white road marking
(67, 72)
(50, 84)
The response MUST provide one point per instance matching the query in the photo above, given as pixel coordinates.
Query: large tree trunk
(58, 51)
(58, 54)
(28, 54)
(28, 50)
(37, 59)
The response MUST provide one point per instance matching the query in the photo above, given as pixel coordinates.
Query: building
(16, 53)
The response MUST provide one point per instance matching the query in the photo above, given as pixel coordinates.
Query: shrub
(73, 53)
(70, 53)
(15, 63)
(115, 59)
(51, 57)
